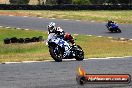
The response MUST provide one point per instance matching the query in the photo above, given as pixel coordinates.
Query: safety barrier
(65, 7)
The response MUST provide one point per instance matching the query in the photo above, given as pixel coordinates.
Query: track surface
(70, 26)
(61, 75)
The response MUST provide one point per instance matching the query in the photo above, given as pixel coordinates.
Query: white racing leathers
(61, 42)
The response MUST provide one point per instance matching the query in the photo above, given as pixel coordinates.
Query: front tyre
(79, 54)
(55, 54)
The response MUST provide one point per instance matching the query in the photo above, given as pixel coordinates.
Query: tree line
(78, 2)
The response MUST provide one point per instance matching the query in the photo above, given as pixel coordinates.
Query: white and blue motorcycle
(60, 49)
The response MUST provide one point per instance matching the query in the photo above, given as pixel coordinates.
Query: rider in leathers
(108, 25)
(52, 29)
(59, 32)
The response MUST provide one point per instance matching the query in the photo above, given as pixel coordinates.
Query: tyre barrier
(23, 40)
(7, 41)
(20, 40)
(14, 40)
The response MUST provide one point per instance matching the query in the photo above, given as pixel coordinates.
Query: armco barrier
(65, 7)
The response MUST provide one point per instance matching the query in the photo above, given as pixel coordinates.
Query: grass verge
(93, 46)
(120, 16)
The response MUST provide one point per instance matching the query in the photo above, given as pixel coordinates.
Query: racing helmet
(51, 27)
(110, 21)
(60, 31)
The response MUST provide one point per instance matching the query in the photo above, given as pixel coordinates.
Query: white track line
(25, 16)
(52, 18)
(97, 58)
(122, 38)
(89, 35)
(114, 57)
(92, 21)
(110, 37)
(18, 28)
(99, 36)
(65, 19)
(31, 61)
(11, 15)
(26, 29)
(8, 27)
(78, 20)
(65, 60)
(40, 17)
(11, 62)
(127, 56)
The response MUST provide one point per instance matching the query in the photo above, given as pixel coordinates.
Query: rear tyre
(111, 30)
(119, 30)
(57, 56)
(79, 54)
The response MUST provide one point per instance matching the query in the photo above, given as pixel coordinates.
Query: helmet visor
(51, 29)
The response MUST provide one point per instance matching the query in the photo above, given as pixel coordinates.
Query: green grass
(120, 16)
(94, 47)
(20, 52)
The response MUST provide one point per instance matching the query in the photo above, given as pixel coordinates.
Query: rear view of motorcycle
(60, 49)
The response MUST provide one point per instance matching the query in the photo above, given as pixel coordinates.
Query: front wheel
(79, 54)
(56, 54)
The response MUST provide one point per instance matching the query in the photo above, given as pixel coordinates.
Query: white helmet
(51, 27)
(60, 31)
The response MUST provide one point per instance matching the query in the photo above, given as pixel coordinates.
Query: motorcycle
(60, 49)
(114, 28)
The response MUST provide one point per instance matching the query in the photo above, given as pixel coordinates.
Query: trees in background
(125, 1)
(111, 1)
(58, 1)
(87, 2)
(18, 2)
(78, 2)
(81, 2)
(41, 2)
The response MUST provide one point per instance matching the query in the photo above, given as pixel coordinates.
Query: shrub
(81, 2)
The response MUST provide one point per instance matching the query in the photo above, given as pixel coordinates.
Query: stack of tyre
(23, 40)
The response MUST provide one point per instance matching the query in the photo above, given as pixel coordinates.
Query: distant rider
(109, 24)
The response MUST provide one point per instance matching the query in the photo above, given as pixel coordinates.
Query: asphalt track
(62, 75)
(71, 26)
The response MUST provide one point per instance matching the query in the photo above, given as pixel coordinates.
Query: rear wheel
(111, 30)
(56, 54)
(119, 30)
(79, 54)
